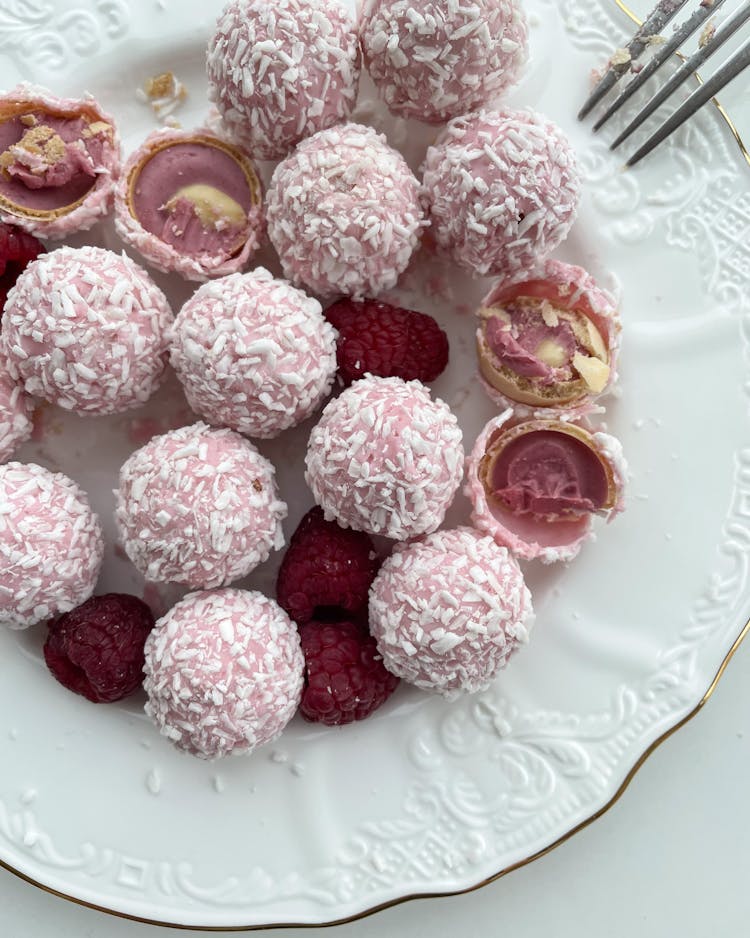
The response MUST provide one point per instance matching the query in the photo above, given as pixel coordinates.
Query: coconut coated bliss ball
(343, 213)
(280, 70)
(199, 507)
(449, 611)
(86, 329)
(16, 412)
(437, 60)
(224, 672)
(501, 189)
(385, 458)
(51, 545)
(253, 354)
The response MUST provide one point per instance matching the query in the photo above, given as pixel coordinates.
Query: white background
(670, 859)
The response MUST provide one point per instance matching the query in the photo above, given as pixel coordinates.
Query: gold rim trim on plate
(715, 101)
(391, 903)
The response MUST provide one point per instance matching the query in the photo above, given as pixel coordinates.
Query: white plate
(425, 797)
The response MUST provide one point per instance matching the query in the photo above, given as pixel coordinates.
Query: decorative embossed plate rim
(575, 761)
(416, 896)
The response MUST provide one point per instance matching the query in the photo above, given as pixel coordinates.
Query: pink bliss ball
(16, 410)
(199, 507)
(253, 353)
(280, 70)
(224, 672)
(437, 60)
(51, 545)
(87, 329)
(449, 611)
(343, 213)
(502, 190)
(385, 458)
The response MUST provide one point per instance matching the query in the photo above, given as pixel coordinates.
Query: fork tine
(729, 71)
(686, 71)
(663, 13)
(687, 29)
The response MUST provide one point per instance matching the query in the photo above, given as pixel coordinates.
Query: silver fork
(663, 14)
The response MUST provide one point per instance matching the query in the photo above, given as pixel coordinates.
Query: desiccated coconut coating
(385, 458)
(436, 60)
(343, 213)
(224, 672)
(86, 329)
(51, 545)
(501, 188)
(16, 409)
(198, 506)
(449, 611)
(280, 70)
(253, 353)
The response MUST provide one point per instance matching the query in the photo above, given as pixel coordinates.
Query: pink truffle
(535, 486)
(51, 545)
(560, 307)
(61, 159)
(199, 507)
(449, 611)
(502, 190)
(16, 410)
(253, 353)
(385, 458)
(436, 60)
(344, 213)
(189, 202)
(87, 329)
(280, 70)
(224, 672)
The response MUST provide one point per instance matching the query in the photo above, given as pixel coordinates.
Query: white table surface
(669, 860)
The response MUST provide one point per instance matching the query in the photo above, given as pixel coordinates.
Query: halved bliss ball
(501, 188)
(447, 612)
(190, 202)
(436, 60)
(344, 213)
(385, 458)
(199, 507)
(280, 70)
(535, 485)
(60, 159)
(51, 544)
(86, 329)
(253, 353)
(16, 410)
(548, 340)
(224, 672)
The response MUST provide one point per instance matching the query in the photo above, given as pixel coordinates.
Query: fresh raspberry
(326, 571)
(386, 341)
(97, 649)
(345, 678)
(17, 250)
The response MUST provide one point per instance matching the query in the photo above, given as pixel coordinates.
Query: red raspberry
(97, 649)
(17, 250)
(387, 341)
(345, 678)
(326, 571)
